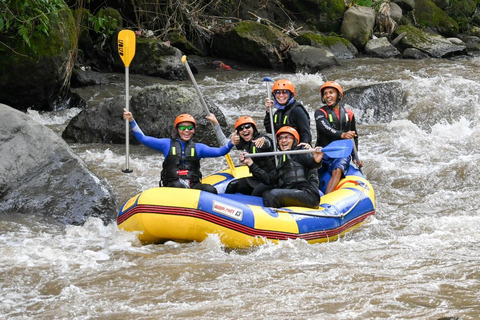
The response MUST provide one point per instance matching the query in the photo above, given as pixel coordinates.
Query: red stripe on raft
(195, 213)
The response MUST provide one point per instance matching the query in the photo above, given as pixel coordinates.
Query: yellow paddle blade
(126, 46)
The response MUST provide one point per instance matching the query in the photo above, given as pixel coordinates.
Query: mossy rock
(322, 15)
(34, 76)
(462, 11)
(432, 44)
(429, 16)
(252, 43)
(180, 42)
(340, 47)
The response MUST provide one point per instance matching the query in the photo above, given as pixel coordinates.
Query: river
(417, 258)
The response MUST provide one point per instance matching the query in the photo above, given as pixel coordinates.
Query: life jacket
(291, 172)
(181, 164)
(281, 118)
(342, 121)
(266, 163)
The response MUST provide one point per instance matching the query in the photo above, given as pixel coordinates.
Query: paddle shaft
(127, 125)
(204, 105)
(272, 128)
(189, 71)
(126, 50)
(277, 153)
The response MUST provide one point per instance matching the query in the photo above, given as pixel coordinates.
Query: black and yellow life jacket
(181, 164)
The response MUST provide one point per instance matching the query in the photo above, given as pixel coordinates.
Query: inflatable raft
(185, 215)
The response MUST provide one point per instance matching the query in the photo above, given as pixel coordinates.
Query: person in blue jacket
(181, 167)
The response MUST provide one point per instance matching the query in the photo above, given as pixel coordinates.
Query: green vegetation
(27, 17)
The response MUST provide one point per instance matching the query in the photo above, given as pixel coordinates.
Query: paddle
(336, 149)
(269, 96)
(355, 155)
(204, 105)
(126, 50)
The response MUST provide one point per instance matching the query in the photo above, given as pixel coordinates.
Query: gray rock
(310, 59)
(357, 25)
(412, 53)
(40, 173)
(86, 78)
(154, 108)
(376, 103)
(381, 48)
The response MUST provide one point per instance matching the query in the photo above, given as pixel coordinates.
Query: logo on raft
(227, 210)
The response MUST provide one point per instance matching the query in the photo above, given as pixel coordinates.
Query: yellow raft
(185, 215)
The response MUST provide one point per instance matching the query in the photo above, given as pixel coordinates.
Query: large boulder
(377, 102)
(310, 59)
(322, 15)
(357, 25)
(39, 173)
(253, 43)
(434, 45)
(155, 58)
(340, 47)
(36, 76)
(381, 48)
(434, 19)
(154, 108)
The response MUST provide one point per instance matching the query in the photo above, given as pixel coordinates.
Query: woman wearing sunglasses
(295, 180)
(289, 112)
(251, 141)
(181, 167)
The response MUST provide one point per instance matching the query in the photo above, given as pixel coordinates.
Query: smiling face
(246, 131)
(282, 96)
(185, 130)
(285, 141)
(330, 95)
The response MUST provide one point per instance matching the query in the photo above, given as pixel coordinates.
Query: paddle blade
(126, 46)
(339, 148)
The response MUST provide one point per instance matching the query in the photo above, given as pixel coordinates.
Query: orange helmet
(284, 84)
(332, 84)
(184, 118)
(243, 120)
(287, 129)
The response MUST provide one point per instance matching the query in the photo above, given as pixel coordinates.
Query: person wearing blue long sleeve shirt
(181, 167)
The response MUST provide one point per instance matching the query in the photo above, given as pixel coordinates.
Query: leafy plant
(28, 17)
(103, 23)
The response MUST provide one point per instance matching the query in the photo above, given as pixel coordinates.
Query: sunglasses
(285, 137)
(182, 128)
(278, 92)
(244, 126)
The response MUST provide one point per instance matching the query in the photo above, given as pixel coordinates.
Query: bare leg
(332, 184)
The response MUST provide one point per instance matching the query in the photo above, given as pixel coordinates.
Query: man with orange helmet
(289, 112)
(334, 122)
(251, 141)
(181, 167)
(295, 179)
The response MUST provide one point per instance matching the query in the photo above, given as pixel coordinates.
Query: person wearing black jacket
(295, 179)
(289, 112)
(251, 141)
(334, 122)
